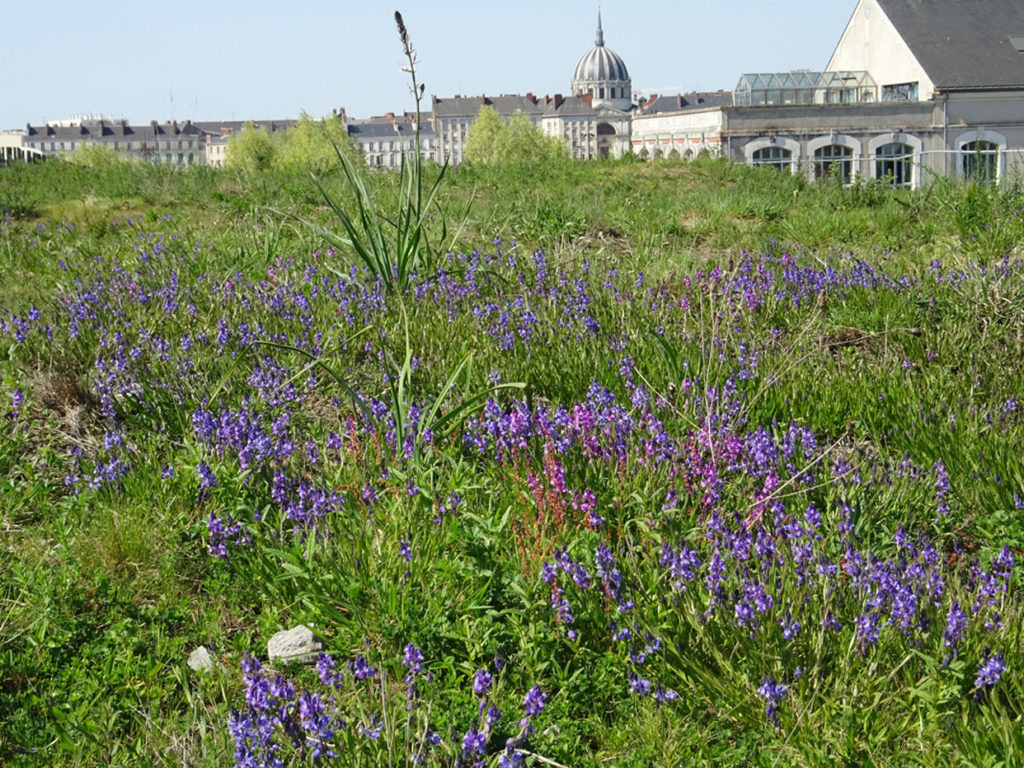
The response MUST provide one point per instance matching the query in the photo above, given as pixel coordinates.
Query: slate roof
(103, 128)
(226, 127)
(963, 44)
(383, 128)
(684, 101)
(570, 106)
(469, 106)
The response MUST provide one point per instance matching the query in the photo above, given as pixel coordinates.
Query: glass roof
(804, 87)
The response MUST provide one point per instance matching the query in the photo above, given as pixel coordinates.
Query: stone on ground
(295, 644)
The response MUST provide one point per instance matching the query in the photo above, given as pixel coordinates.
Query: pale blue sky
(259, 59)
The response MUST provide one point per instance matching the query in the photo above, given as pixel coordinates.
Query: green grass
(106, 590)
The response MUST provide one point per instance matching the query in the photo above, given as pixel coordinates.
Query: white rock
(200, 660)
(295, 644)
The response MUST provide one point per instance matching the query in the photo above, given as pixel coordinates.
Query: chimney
(558, 100)
(531, 97)
(588, 98)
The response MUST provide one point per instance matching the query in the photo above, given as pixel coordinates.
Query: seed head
(403, 34)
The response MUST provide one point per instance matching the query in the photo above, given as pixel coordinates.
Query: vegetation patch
(674, 463)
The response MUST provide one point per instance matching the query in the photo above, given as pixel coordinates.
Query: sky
(232, 60)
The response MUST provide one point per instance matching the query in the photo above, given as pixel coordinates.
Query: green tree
(92, 154)
(309, 145)
(486, 137)
(492, 140)
(251, 149)
(527, 143)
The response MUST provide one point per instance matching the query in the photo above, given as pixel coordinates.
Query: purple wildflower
(412, 658)
(325, 670)
(533, 704)
(990, 671)
(956, 623)
(773, 692)
(360, 668)
(473, 745)
(207, 479)
(482, 682)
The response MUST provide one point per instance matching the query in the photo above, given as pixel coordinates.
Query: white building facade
(914, 89)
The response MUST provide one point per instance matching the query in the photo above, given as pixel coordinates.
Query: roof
(469, 106)
(381, 128)
(568, 106)
(225, 127)
(799, 79)
(963, 44)
(601, 64)
(100, 128)
(683, 101)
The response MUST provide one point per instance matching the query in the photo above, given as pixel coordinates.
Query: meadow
(668, 463)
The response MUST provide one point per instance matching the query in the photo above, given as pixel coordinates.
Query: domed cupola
(603, 74)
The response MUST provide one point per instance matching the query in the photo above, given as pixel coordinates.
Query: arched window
(979, 161)
(835, 159)
(894, 163)
(779, 158)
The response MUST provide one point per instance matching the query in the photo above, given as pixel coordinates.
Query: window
(600, 93)
(900, 92)
(979, 161)
(779, 158)
(893, 162)
(836, 160)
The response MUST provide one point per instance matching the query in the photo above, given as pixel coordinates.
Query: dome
(600, 63)
(602, 73)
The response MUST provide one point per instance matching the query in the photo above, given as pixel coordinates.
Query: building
(914, 89)
(385, 139)
(594, 121)
(171, 143)
(451, 118)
